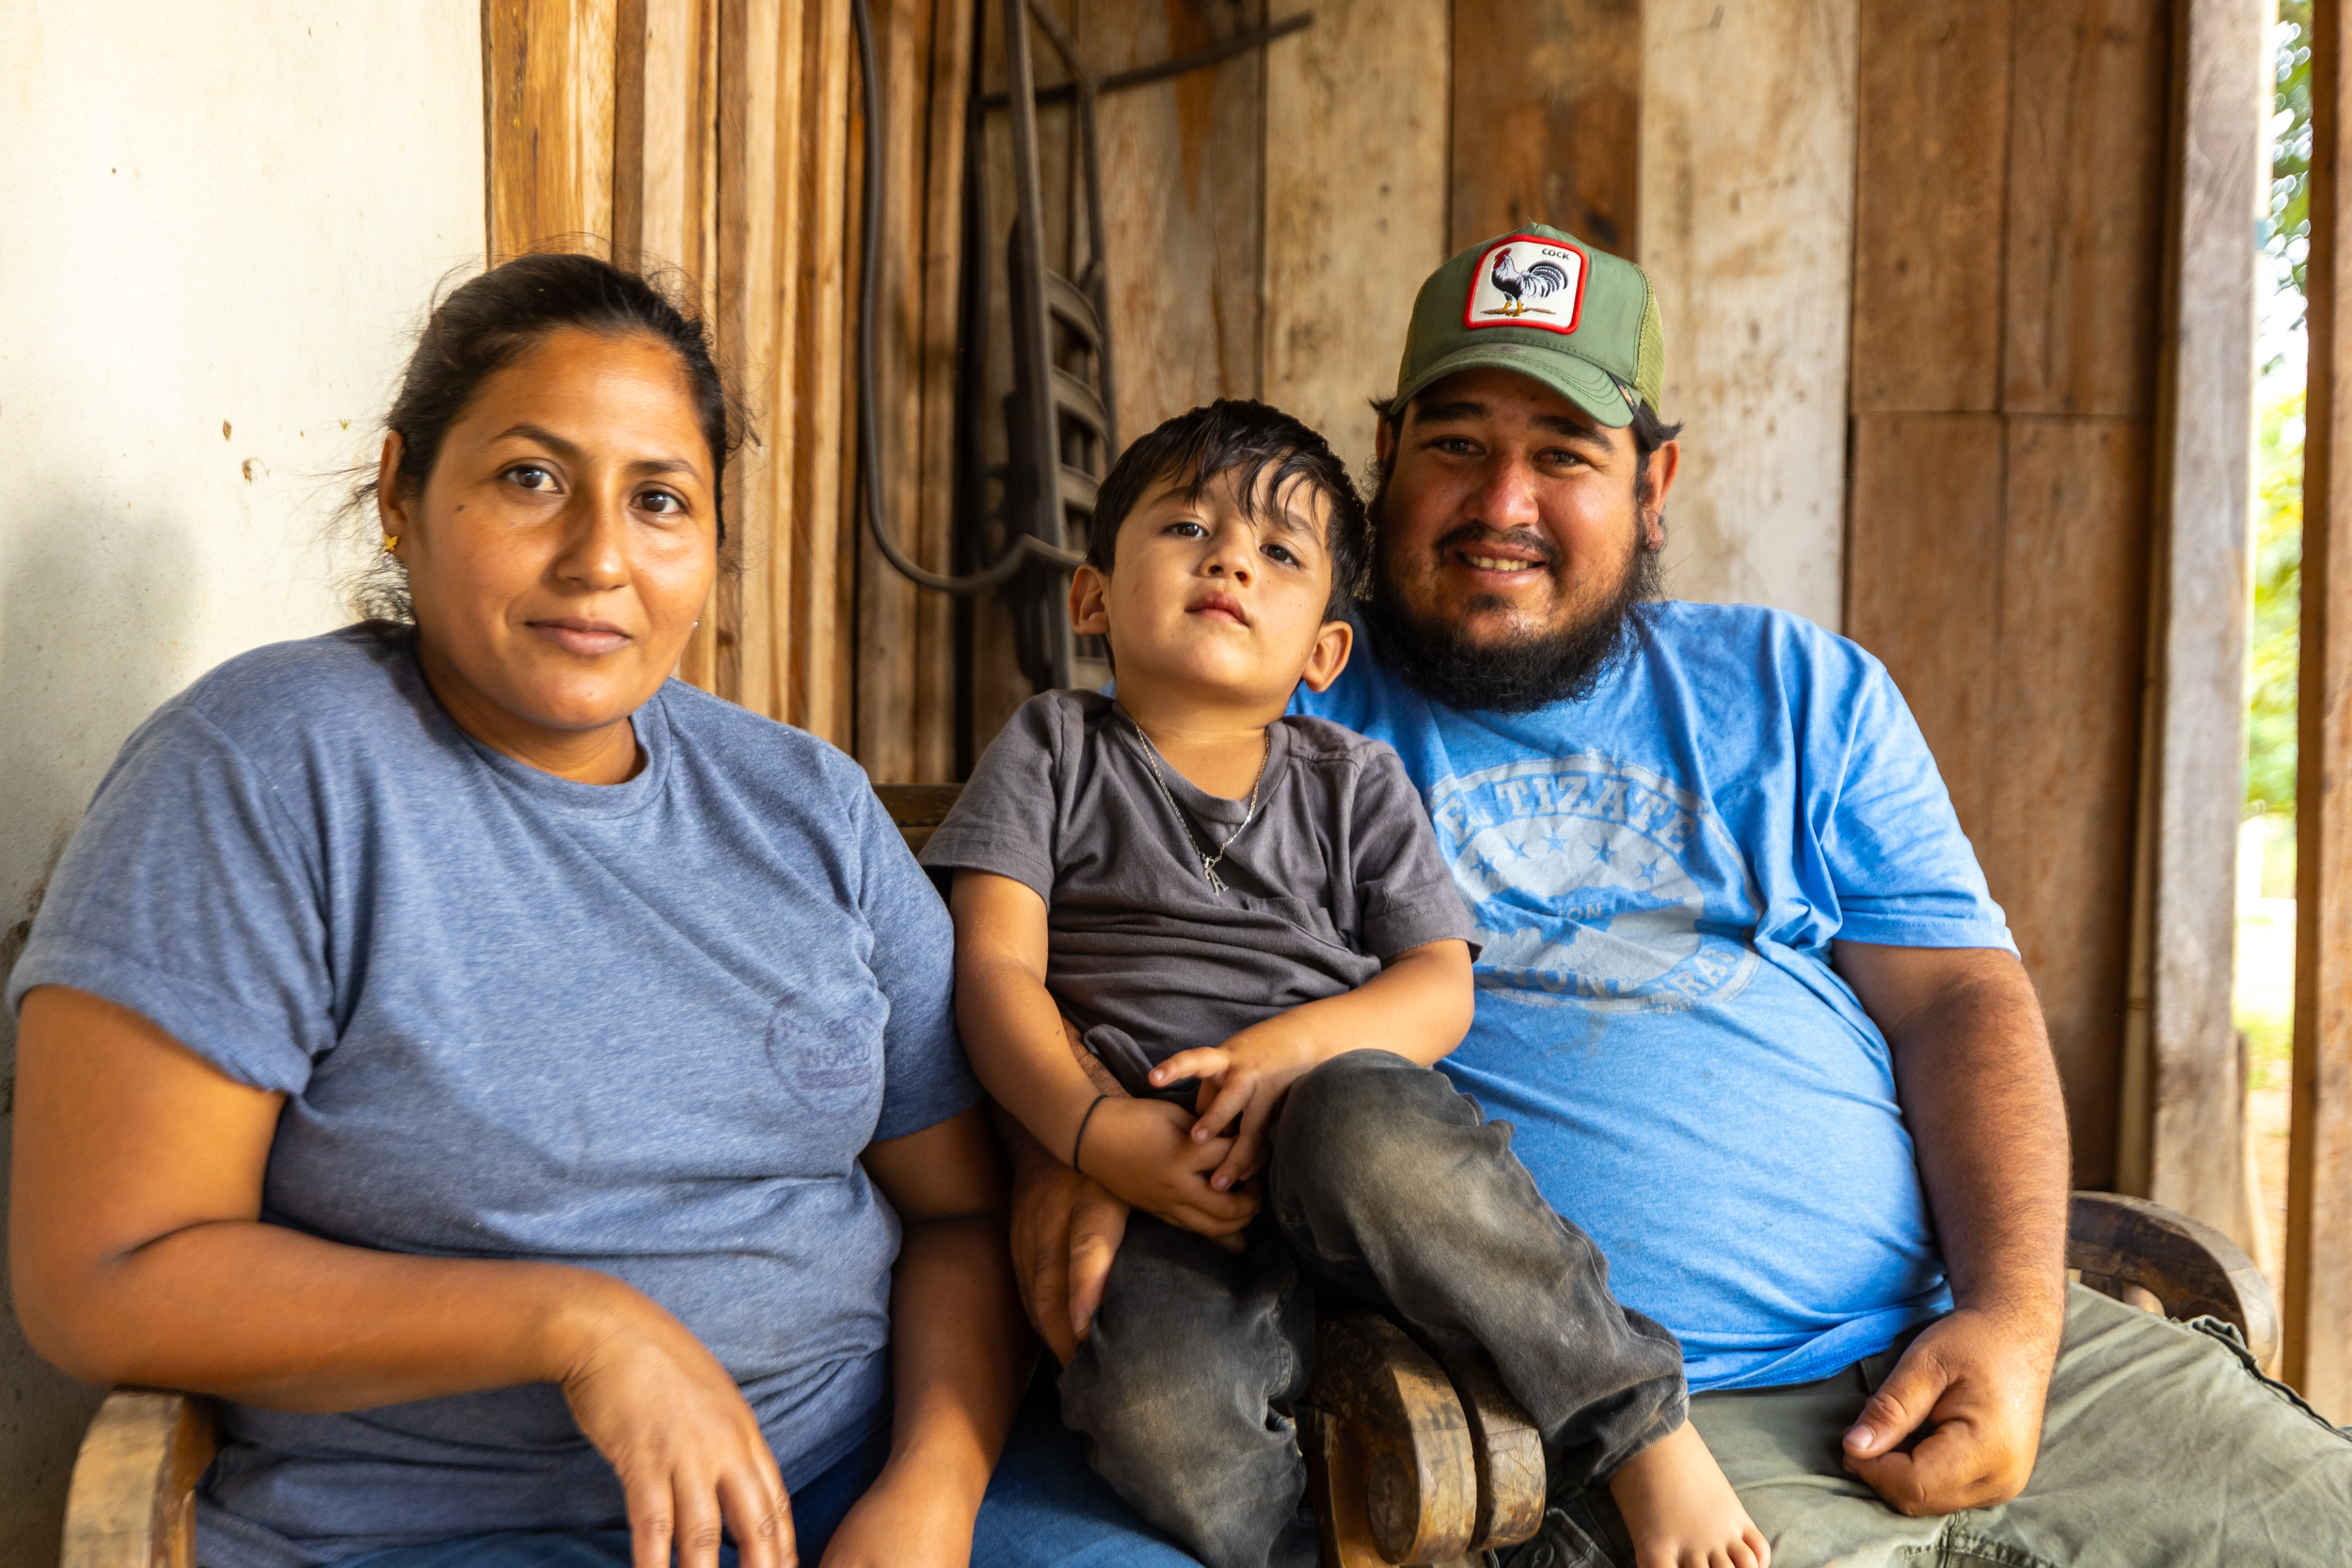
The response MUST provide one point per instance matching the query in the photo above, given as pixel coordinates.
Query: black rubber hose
(1017, 553)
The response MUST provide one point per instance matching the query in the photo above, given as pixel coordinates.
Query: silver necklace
(1208, 861)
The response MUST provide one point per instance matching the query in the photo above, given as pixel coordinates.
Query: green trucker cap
(1548, 306)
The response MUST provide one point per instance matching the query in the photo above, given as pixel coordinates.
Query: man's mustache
(1468, 534)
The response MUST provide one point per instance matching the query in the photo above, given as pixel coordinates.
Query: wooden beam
(2057, 847)
(1925, 560)
(2085, 204)
(1929, 176)
(905, 673)
(755, 172)
(818, 690)
(547, 123)
(2196, 743)
(2319, 1306)
(1747, 181)
(1546, 119)
(1355, 196)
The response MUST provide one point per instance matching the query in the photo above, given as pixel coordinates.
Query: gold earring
(391, 542)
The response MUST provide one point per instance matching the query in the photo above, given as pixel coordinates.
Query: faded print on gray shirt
(1338, 872)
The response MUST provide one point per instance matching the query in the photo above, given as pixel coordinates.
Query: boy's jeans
(1388, 1189)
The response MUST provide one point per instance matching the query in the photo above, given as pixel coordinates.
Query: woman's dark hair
(481, 326)
(1233, 436)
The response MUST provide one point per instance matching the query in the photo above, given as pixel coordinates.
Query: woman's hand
(691, 1459)
(1144, 1151)
(902, 1522)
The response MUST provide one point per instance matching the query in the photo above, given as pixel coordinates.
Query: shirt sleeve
(926, 1078)
(190, 896)
(1903, 873)
(1005, 821)
(1404, 892)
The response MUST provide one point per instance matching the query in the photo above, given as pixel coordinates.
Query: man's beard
(1518, 673)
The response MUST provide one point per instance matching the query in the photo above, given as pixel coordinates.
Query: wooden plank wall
(2007, 277)
(1747, 189)
(1356, 197)
(1546, 119)
(715, 141)
(1183, 168)
(2319, 1304)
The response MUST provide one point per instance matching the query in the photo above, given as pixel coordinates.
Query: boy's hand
(1245, 1080)
(1141, 1150)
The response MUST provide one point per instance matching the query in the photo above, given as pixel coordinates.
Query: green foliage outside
(2265, 945)
(2270, 683)
(2279, 458)
(2289, 226)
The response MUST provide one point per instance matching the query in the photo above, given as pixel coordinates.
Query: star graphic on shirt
(1603, 855)
(1649, 870)
(1554, 842)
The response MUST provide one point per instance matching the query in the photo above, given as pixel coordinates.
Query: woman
(522, 1085)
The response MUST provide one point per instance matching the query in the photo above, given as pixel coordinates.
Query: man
(1758, 1025)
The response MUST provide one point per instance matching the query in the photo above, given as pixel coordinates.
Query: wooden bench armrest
(131, 1503)
(2120, 1245)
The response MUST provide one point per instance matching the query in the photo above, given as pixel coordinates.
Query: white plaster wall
(1747, 228)
(223, 216)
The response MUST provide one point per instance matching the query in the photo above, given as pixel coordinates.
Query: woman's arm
(959, 1349)
(137, 1255)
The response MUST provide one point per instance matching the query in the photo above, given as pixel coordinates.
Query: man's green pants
(2162, 1446)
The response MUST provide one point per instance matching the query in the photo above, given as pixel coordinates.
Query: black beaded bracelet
(1080, 1141)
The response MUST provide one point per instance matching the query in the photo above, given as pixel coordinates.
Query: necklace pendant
(1208, 869)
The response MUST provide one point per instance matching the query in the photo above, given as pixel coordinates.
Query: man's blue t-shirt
(1657, 871)
(644, 1028)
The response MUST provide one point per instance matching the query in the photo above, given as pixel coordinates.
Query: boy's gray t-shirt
(644, 1028)
(1338, 872)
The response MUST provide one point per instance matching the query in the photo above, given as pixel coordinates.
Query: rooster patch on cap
(1527, 281)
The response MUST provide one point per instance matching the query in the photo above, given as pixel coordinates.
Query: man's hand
(1979, 1093)
(1980, 1381)
(1066, 1229)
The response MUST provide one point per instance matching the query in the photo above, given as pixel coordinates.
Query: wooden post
(546, 123)
(2198, 741)
(2319, 1150)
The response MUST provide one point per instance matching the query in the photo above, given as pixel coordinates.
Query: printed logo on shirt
(1588, 877)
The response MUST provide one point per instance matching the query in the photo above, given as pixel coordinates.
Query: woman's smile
(581, 635)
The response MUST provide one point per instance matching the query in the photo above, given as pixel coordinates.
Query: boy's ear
(1333, 646)
(1089, 602)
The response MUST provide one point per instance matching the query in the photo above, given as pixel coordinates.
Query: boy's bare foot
(1680, 1511)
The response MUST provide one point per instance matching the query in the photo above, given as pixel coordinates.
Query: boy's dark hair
(1233, 435)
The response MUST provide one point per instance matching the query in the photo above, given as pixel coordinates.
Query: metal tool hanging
(1061, 433)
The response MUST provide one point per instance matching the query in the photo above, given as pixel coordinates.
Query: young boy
(1241, 913)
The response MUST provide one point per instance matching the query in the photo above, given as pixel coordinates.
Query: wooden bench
(1408, 1461)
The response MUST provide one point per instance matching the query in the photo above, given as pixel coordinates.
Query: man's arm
(1980, 1092)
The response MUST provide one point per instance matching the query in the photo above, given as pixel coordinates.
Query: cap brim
(1575, 378)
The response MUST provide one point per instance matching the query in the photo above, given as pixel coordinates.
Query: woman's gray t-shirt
(1338, 872)
(644, 1028)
